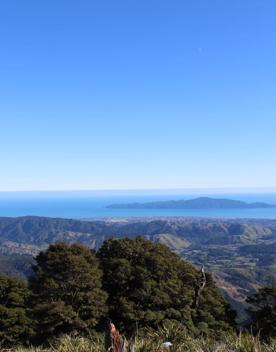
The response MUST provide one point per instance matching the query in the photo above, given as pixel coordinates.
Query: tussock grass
(243, 343)
(151, 341)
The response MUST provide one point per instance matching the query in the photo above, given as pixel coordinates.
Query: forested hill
(27, 232)
(197, 203)
(239, 253)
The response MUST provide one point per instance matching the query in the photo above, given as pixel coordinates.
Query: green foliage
(148, 284)
(214, 314)
(14, 324)
(67, 294)
(263, 311)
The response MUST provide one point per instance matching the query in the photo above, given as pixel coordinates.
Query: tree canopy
(14, 323)
(148, 284)
(66, 290)
(135, 282)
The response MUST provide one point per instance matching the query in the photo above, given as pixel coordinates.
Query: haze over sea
(89, 204)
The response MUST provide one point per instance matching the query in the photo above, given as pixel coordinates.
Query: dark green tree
(66, 291)
(15, 327)
(263, 311)
(148, 284)
(214, 314)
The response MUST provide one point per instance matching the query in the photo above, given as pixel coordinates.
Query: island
(197, 203)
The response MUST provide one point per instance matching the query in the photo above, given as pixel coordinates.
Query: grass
(151, 341)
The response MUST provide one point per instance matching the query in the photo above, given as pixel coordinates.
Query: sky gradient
(137, 94)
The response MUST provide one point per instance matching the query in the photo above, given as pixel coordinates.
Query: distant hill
(18, 265)
(197, 203)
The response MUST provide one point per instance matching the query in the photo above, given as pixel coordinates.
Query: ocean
(93, 205)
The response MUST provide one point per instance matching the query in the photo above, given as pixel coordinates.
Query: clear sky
(132, 94)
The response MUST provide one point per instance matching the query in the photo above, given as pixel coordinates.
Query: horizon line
(122, 190)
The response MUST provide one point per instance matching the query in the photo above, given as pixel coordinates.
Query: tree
(263, 311)
(66, 291)
(214, 314)
(15, 326)
(148, 284)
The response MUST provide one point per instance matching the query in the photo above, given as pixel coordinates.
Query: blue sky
(137, 94)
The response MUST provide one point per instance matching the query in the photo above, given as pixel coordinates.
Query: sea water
(89, 205)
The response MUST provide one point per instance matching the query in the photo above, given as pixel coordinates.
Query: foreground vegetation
(141, 286)
(153, 342)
